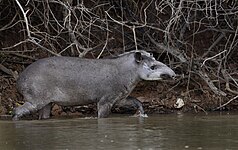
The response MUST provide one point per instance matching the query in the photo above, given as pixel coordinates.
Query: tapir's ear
(138, 57)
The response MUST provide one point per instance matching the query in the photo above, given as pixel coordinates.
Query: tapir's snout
(160, 71)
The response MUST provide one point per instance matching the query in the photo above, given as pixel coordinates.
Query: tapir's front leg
(129, 104)
(104, 110)
(105, 106)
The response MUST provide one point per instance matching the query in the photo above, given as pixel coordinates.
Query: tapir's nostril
(173, 77)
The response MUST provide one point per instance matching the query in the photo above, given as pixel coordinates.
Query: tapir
(74, 81)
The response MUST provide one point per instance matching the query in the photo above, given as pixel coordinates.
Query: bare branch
(42, 47)
(212, 57)
(173, 51)
(209, 82)
(25, 18)
(227, 78)
(8, 71)
(105, 45)
(234, 98)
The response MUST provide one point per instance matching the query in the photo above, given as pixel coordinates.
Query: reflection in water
(132, 133)
(164, 132)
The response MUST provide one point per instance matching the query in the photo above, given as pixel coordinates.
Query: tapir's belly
(71, 97)
(73, 103)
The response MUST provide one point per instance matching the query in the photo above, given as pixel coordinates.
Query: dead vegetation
(198, 39)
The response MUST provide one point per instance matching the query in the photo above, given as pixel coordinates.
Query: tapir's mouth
(166, 76)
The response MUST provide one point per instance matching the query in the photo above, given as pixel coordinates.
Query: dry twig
(234, 98)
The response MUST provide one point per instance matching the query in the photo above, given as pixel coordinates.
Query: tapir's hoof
(15, 118)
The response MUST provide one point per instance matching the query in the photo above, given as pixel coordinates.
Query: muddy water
(165, 132)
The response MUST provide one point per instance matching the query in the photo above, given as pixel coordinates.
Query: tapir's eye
(153, 67)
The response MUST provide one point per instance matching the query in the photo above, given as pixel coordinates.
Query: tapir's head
(151, 69)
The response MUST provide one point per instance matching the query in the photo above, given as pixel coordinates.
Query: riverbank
(198, 42)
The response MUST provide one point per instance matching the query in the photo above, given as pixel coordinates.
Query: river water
(162, 132)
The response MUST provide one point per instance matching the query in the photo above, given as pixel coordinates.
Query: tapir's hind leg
(44, 113)
(24, 109)
(136, 103)
(30, 108)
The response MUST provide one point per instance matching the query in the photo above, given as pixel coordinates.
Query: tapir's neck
(128, 71)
